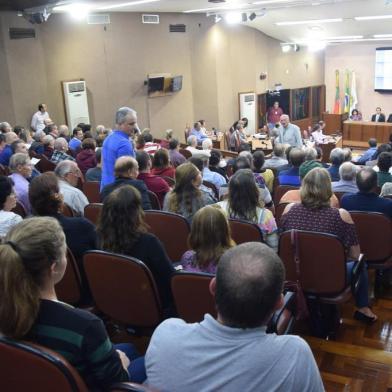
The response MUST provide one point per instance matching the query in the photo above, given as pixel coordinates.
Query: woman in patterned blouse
(314, 213)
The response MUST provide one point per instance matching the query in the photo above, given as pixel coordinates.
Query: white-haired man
(289, 133)
(69, 174)
(60, 149)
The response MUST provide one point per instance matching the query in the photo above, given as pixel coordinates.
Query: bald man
(126, 170)
(289, 133)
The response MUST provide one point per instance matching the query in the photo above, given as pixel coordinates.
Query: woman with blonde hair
(210, 237)
(315, 213)
(187, 198)
(32, 261)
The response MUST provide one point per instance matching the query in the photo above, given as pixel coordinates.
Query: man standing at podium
(288, 133)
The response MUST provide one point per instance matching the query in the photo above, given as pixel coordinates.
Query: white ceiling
(278, 11)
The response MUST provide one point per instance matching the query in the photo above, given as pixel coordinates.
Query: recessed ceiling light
(131, 3)
(315, 21)
(359, 18)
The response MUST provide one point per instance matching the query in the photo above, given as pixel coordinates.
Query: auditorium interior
(305, 54)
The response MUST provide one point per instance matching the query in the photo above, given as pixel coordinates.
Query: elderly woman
(187, 198)
(48, 142)
(21, 169)
(86, 158)
(314, 213)
(7, 203)
(244, 203)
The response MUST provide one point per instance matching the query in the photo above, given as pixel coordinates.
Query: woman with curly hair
(210, 237)
(244, 203)
(186, 198)
(122, 230)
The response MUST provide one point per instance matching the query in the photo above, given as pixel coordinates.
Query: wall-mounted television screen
(156, 84)
(176, 84)
(383, 70)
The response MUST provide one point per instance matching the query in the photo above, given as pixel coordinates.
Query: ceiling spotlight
(77, 10)
(233, 17)
(218, 18)
(286, 48)
(252, 16)
(244, 17)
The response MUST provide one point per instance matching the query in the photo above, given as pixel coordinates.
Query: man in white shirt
(289, 133)
(233, 352)
(192, 143)
(38, 120)
(69, 174)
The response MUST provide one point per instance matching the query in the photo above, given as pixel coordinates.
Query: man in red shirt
(154, 183)
(273, 115)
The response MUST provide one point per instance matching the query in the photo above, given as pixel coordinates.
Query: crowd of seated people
(241, 189)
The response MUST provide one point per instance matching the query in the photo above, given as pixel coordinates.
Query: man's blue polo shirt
(115, 146)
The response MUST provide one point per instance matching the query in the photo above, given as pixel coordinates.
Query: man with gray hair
(233, 352)
(289, 133)
(59, 153)
(69, 174)
(278, 159)
(336, 157)
(347, 182)
(192, 144)
(5, 127)
(118, 143)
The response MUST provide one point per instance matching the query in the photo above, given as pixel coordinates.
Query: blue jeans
(136, 369)
(362, 296)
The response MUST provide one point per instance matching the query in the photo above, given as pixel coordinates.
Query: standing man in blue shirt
(118, 143)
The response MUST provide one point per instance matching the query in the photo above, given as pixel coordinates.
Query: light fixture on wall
(287, 47)
(233, 17)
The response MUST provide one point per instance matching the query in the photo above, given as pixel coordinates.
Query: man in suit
(378, 117)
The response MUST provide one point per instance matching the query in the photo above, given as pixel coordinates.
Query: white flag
(353, 93)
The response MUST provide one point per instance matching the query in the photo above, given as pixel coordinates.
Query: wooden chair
(244, 231)
(155, 204)
(91, 190)
(192, 296)
(193, 300)
(45, 165)
(375, 239)
(171, 229)
(280, 190)
(20, 210)
(92, 212)
(322, 265)
(43, 370)
(4, 171)
(68, 211)
(279, 209)
(69, 289)
(123, 288)
(187, 154)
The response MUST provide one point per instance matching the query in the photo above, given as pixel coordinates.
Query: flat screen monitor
(176, 84)
(383, 70)
(155, 84)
